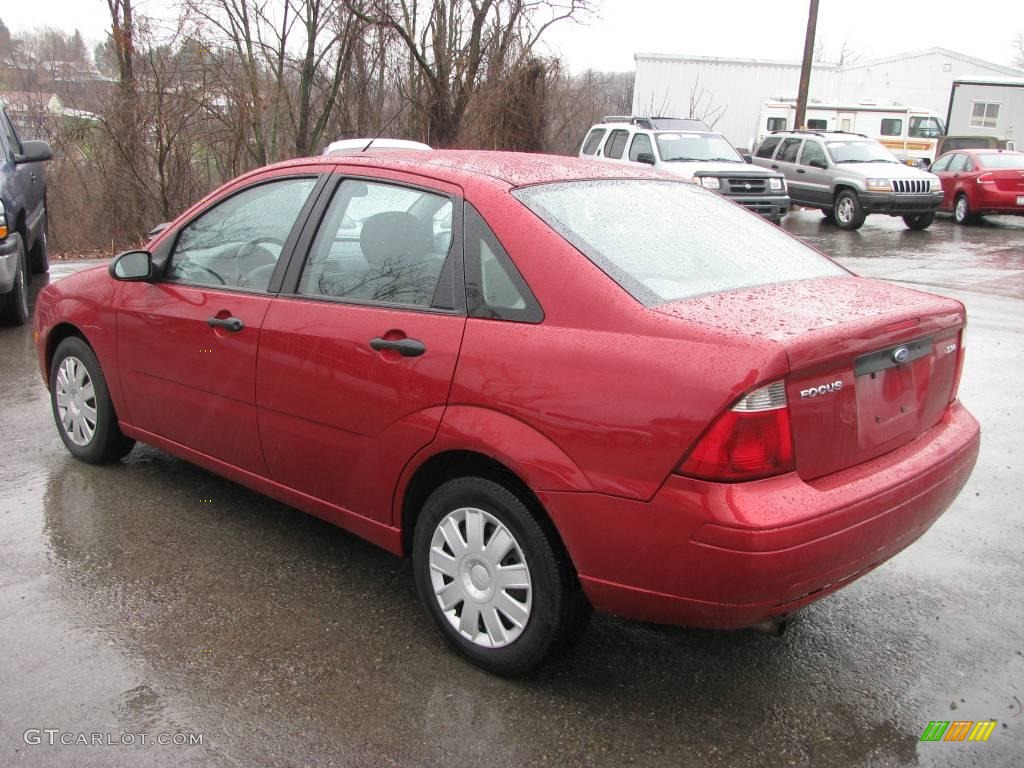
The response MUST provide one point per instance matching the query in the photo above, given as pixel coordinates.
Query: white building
(668, 85)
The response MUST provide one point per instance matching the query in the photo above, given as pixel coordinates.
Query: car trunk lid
(1006, 180)
(872, 365)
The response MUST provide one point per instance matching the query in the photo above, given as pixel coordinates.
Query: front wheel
(494, 579)
(82, 407)
(848, 212)
(14, 304)
(919, 220)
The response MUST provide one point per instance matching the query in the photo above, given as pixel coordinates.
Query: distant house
(667, 84)
(20, 103)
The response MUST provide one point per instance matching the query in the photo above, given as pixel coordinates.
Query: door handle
(775, 166)
(233, 324)
(800, 170)
(404, 347)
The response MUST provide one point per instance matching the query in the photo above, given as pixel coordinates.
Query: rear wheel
(962, 210)
(82, 407)
(919, 220)
(848, 212)
(14, 304)
(494, 579)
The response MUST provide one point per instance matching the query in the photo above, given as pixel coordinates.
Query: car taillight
(959, 364)
(986, 178)
(751, 440)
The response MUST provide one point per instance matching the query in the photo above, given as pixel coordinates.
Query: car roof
(509, 169)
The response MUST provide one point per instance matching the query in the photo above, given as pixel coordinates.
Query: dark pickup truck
(22, 219)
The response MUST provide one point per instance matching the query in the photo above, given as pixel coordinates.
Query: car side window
(776, 123)
(495, 289)
(11, 135)
(380, 243)
(641, 144)
(593, 141)
(237, 243)
(812, 151)
(891, 126)
(767, 148)
(789, 149)
(968, 164)
(958, 163)
(615, 144)
(941, 164)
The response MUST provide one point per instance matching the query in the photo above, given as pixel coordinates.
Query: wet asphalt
(154, 598)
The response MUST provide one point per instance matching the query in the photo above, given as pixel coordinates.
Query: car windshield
(690, 147)
(859, 151)
(663, 241)
(994, 161)
(926, 127)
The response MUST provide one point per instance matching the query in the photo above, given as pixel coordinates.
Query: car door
(941, 169)
(785, 163)
(26, 180)
(812, 172)
(957, 166)
(357, 354)
(187, 342)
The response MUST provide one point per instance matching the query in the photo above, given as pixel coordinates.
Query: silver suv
(848, 176)
(688, 148)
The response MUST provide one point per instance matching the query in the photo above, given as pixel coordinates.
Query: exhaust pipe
(774, 626)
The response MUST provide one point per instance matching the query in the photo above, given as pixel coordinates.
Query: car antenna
(386, 126)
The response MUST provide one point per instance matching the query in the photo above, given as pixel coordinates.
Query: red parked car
(977, 182)
(557, 384)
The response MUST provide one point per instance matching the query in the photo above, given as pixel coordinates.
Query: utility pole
(805, 69)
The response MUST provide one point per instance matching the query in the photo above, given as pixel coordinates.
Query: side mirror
(747, 158)
(645, 157)
(132, 266)
(816, 163)
(33, 152)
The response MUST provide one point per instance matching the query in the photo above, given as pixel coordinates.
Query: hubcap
(76, 401)
(480, 577)
(961, 209)
(23, 279)
(845, 210)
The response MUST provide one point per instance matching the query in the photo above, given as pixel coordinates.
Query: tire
(962, 210)
(540, 613)
(919, 221)
(77, 386)
(14, 303)
(39, 256)
(847, 211)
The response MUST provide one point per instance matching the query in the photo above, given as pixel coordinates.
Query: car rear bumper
(8, 263)
(997, 201)
(727, 556)
(769, 206)
(900, 204)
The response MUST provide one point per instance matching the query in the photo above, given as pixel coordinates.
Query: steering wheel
(188, 266)
(252, 247)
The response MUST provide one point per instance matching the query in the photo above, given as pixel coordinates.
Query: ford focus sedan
(979, 182)
(557, 385)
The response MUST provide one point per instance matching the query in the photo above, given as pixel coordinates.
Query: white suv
(687, 148)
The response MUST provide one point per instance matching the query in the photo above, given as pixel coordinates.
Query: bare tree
(702, 105)
(1018, 45)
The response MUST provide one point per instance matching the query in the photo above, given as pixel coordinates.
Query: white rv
(909, 133)
(987, 106)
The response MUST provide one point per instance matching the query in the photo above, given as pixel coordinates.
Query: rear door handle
(775, 166)
(404, 347)
(800, 170)
(233, 324)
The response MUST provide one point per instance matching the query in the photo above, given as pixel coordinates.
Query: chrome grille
(747, 186)
(911, 186)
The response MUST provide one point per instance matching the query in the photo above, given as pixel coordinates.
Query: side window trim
(452, 267)
(532, 313)
(168, 247)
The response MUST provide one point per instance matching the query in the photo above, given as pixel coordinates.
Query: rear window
(767, 148)
(680, 241)
(1001, 161)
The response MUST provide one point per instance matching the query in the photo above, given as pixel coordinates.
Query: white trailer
(909, 133)
(987, 106)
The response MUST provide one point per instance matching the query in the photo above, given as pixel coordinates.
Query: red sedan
(557, 385)
(976, 182)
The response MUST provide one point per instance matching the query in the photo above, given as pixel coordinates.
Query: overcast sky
(732, 28)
